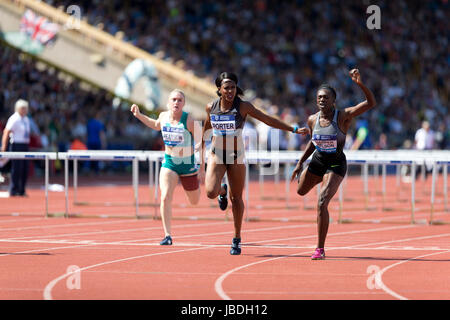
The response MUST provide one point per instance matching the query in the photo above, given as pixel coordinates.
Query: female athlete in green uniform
(177, 128)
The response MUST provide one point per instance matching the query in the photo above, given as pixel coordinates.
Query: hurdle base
(438, 222)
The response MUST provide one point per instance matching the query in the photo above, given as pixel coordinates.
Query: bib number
(325, 143)
(223, 124)
(172, 136)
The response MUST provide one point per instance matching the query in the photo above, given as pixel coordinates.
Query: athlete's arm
(149, 122)
(309, 149)
(5, 137)
(249, 109)
(195, 128)
(206, 132)
(360, 108)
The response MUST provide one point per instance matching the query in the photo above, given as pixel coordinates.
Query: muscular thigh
(214, 174)
(236, 179)
(331, 183)
(307, 181)
(168, 180)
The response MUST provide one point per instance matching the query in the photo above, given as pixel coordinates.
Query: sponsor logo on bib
(172, 136)
(223, 124)
(325, 142)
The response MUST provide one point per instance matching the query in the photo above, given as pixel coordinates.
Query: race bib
(172, 136)
(223, 124)
(325, 142)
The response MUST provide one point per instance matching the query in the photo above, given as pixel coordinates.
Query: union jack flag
(37, 27)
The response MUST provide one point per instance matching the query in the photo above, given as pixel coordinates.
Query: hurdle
(154, 160)
(101, 155)
(396, 158)
(411, 158)
(445, 164)
(46, 156)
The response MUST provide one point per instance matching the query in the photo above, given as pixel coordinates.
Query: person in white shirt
(17, 130)
(424, 140)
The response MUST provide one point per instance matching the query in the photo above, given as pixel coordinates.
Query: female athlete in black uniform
(226, 116)
(328, 130)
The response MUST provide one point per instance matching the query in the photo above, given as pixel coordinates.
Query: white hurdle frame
(364, 158)
(102, 155)
(46, 156)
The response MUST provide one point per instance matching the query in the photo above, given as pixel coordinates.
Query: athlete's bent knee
(301, 191)
(212, 194)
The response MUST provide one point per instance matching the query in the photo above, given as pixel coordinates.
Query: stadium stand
(281, 50)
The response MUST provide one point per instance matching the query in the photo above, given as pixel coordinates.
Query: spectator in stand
(424, 140)
(77, 144)
(362, 138)
(17, 134)
(96, 137)
(406, 63)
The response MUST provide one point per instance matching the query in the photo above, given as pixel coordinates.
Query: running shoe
(236, 246)
(223, 200)
(319, 254)
(167, 241)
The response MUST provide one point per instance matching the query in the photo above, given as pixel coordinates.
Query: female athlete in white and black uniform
(226, 116)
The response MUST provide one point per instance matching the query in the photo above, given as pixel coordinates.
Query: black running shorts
(322, 163)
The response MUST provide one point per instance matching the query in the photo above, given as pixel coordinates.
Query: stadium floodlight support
(190, 83)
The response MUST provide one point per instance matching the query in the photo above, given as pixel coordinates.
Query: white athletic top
(20, 128)
(424, 139)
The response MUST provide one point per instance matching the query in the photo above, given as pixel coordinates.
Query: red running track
(121, 259)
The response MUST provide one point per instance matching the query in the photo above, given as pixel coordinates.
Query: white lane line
(379, 274)
(94, 243)
(226, 232)
(39, 250)
(51, 284)
(66, 225)
(19, 220)
(113, 231)
(340, 233)
(48, 288)
(218, 285)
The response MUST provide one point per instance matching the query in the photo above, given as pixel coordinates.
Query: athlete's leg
(236, 179)
(168, 180)
(191, 187)
(307, 181)
(331, 182)
(213, 178)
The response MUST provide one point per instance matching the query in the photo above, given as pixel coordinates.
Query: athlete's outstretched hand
(297, 170)
(356, 77)
(135, 110)
(303, 131)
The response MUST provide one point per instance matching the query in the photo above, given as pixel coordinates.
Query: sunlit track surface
(121, 259)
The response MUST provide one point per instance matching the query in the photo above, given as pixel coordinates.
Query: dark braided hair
(230, 76)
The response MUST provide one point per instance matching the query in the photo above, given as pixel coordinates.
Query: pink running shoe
(319, 254)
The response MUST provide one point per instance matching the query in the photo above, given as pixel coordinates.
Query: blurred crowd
(62, 109)
(281, 51)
